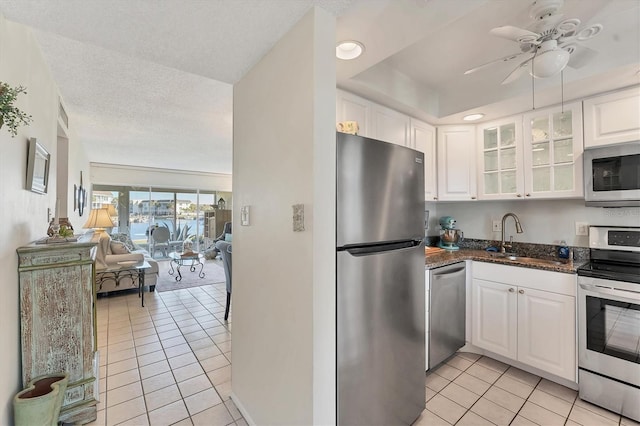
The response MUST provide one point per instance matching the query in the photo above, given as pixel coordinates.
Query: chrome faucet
(518, 230)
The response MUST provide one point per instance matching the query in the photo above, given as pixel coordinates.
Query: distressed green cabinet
(58, 322)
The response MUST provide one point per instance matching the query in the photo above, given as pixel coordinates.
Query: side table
(130, 269)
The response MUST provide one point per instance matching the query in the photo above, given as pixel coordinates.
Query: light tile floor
(470, 389)
(170, 363)
(167, 363)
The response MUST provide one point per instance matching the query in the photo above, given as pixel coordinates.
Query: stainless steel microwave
(612, 175)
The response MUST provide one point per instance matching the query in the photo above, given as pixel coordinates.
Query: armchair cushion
(125, 239)
(113, 259)
(119, 248)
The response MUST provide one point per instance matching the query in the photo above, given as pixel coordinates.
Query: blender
(449, 235)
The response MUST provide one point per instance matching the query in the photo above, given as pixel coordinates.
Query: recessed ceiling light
(473, 117)
(349, 49)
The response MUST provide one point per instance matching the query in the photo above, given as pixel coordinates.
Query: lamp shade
(111, 209)
(99, 218)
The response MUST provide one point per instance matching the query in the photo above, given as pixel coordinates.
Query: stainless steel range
(609, 321)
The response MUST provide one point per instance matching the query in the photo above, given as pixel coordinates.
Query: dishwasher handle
(448, 273)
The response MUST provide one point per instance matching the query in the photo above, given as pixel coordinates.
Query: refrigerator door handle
(380, 248)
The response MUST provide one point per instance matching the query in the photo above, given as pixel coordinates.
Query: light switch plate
(244, 216)
(497, 225)
(298, 217)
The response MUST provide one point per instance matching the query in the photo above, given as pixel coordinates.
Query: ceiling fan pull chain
(562, 92)
(533, 82)
(533, 93)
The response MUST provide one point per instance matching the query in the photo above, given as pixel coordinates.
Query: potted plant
(9, 113)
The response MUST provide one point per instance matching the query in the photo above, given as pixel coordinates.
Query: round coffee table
(190, 259)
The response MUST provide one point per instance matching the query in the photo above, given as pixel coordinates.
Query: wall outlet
(582, 228)
(497, 225)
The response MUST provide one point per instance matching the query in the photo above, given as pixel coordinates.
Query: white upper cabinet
(500, 161)
(423, 139)
(612, 118)
(390, 126)
(553, 152)
(350, 107)
(456, 146)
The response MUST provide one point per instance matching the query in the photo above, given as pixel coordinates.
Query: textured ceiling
(149, 82)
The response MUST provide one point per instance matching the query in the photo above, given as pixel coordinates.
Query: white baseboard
(242, 409)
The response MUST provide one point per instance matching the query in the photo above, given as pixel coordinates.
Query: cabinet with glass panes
(500, 159)
(552, 148)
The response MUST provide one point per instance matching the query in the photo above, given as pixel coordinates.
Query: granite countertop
(445, 258)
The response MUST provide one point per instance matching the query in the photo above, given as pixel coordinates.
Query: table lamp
(99, 219)
(111, 209)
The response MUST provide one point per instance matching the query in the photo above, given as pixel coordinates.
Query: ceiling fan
(549, 45)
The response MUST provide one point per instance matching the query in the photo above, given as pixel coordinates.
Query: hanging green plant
(10, 114)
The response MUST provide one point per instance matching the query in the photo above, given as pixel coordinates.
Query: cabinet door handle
(473, 198)
(527, 195)
(511, 290)
(521, 291)
(435, 198)
(519, 195)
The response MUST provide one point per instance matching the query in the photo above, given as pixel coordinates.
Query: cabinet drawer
(555, 282)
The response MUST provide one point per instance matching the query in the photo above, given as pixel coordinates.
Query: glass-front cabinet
(553, 152)
(500, 162)
(535, 155)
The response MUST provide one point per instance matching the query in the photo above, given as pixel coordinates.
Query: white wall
(23, 214)
(283, 369)
(544, 222)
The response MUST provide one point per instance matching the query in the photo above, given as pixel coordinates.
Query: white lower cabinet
(546, 331)
(527, 315)
(495, 317)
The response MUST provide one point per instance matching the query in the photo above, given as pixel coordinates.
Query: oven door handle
(635, 295)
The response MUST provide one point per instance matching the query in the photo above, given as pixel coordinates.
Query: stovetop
(627, 272)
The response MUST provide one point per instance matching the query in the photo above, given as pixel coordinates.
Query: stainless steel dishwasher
(447, 309)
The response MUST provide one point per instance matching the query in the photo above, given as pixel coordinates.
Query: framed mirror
(38, 161)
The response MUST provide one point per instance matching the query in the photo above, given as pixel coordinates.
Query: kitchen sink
(516, 258)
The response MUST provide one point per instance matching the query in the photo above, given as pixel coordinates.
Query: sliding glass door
(137, 211)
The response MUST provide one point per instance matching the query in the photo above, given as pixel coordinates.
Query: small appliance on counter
(449, 235)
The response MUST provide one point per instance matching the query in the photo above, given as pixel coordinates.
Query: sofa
(118, 247)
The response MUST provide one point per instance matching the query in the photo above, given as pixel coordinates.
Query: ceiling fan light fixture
(549, 62)
(349, 49)
(473, 117)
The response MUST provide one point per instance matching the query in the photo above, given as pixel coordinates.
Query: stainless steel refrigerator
(380, 282)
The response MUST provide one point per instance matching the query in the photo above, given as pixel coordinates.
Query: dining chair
(159, 240)
(225, 251)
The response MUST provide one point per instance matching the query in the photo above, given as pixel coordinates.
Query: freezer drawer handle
(378, 248)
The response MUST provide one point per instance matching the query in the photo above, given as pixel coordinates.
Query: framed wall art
(79, 197)
(38, 161)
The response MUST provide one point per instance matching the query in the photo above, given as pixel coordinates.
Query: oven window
(613, 328)
(620, 173)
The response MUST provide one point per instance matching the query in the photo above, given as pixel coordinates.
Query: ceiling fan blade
(580, 56)
(517, 72)
(505, 59)
(514, 33)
